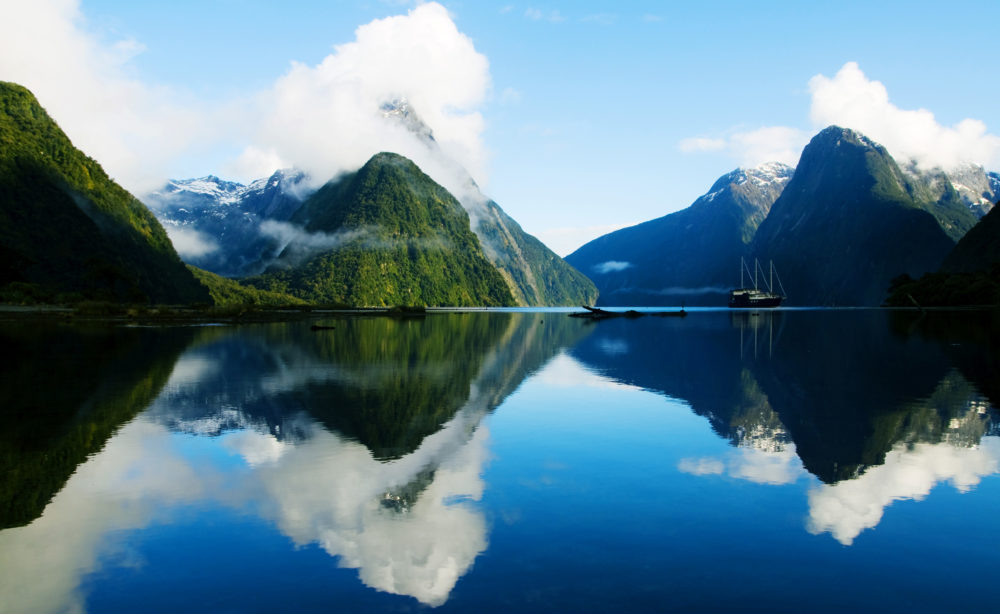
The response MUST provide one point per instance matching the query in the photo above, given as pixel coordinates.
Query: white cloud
(190, 243)
(134, 129)
(322, 489)
(852, 100)
(611, 266)
(122, 488)
(767, 467)
(847, 508)
(768, 144)
(753, 147)
(701, 466)
(286, 233)
(326, 118)
(613, 347)
(327, 490)
(776, 467)
(564, 371)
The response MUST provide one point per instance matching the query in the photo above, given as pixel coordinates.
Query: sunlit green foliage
(228, 292)
(396, 238)
(66, 227)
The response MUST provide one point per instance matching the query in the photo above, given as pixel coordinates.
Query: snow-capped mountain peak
(399, 110)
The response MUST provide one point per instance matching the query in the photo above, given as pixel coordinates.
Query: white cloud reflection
(847, 508)
(320, 488)
(780, 466)
(121, 489)
(330, 491)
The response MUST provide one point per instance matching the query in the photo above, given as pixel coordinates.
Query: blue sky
(577, 117)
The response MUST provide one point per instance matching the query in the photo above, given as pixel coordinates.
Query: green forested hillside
(227, 292)
(67, 229)
(386, 235)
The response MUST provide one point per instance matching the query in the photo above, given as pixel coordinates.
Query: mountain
(838, 389)
(979, 249)
(67, 393)
(237, 230)
(67, 231)
(533, 272)
(689, 256)
(977, 188)
(850, 220)
(219, 225)
(385, 235)
(969, 275)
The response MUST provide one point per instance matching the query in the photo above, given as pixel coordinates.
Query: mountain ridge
(688, 256)
(828, 231)
(67, 231)
(386, 234)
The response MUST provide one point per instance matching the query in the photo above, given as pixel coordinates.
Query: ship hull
(754, 299)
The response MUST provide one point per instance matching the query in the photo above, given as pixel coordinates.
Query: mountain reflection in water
(880, 406)
(364, 439)
(369, 445)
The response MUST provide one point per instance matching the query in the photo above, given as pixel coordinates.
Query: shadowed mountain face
(691, 256)
(838, 228)
(64, 392)
(850, 220)
(67, 229)
(844, 387)
(978, 250)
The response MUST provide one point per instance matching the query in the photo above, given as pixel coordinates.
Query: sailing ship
(757, 297)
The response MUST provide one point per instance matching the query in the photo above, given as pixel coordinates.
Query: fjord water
(778, 461)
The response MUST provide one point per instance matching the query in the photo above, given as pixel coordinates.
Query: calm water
(790, 461)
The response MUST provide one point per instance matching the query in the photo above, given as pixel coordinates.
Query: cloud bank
(847, 508)
(324, 119)
(134, 129)
(851, 100)
(190, 243)
(327, 119)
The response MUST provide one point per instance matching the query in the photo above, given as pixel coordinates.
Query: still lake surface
(505, 461)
